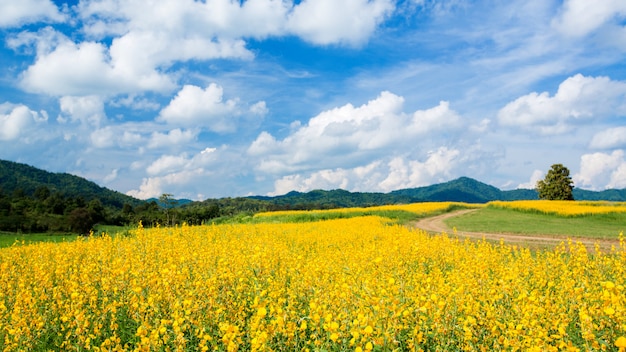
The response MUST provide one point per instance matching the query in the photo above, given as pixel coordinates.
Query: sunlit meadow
(354, 284)
(564, 207)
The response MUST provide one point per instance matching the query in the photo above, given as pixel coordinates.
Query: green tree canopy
(557, 185)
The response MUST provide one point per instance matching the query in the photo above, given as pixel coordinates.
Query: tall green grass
(8, 239)
(501, 220)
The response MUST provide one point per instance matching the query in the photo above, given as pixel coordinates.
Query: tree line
(45, 210)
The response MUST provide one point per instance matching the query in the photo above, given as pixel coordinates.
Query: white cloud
(320, 22)
(614, 137)
(175, 163)
(581, 17)
(15, 120)
(323, 179)
(136, 103)
(171, 138)
(166, 163)
(153, 187)
(438, 165)
(147, 39)
(259, 109)
(349, 22)
(139, 51)
(601, 171)
(579, 99)
(221, 18)
(207, 109)
(88, 110)
(103, 137)
(111, 177)
(87, 68)
(383, 175)
(532, 183)
(14, 13)
(122, 136)
(171, 172)
(347, 135)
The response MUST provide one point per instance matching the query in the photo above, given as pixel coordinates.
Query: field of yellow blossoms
(357, 284)
(564, 207)
(415, 208)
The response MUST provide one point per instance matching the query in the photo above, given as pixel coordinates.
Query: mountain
(337, 198)
(27, 179)
(463, 189)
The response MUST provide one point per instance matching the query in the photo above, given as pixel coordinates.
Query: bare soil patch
(436, 224)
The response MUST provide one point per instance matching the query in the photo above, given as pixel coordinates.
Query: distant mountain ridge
(463, 189)
(27, 178)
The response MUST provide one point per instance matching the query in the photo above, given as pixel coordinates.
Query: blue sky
(260, 97)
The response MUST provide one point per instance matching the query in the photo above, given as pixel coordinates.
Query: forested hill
(34, 200)
(22, 178)
(463, 189)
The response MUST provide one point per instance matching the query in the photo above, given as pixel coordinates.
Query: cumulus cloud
(15, 120)
(329, 22)
(579, 99)
(136, 103)
(103, 137)
(173, 163)
(347, 135)
(602, 171)
(378, 176)
(207, 109)
(321, 22)
(111, 176)
(171, 138)
(581, 17)
(63, 67)
(173, 171)
(87, 110)
(166, 163)
(18, 12)
(609, 139)
(122, 136)
(153, 187)
(147, 39)
(414, 173)
(532, 183)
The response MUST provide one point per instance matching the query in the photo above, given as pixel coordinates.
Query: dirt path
(436, 224)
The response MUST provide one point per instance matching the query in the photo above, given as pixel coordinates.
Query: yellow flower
(262, 312)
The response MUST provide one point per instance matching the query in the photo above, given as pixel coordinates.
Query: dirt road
(436, 224)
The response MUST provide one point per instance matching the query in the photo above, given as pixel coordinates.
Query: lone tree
(557, 185)
(168, 203)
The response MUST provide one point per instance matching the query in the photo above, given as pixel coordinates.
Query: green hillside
(463, 189)
(34, 200)
(16, 177)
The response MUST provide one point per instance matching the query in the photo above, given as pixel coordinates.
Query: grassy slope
(492, 220)
(7, 239)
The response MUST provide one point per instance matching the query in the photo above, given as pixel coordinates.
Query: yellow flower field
(417, 208)
(354, 284)
(564, 207)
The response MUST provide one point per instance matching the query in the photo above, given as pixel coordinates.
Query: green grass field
(8, 239)
(495, 220)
